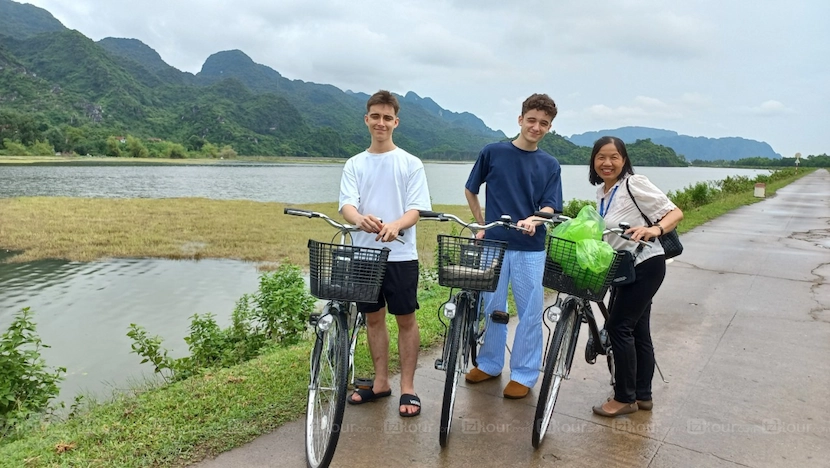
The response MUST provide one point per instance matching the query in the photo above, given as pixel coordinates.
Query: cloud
(770, 108)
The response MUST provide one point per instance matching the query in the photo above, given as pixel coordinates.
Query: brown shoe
(627, 409)
(514, 390)
(477, 376)
(645, 405)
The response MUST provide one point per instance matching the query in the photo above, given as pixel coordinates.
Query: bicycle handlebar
(556, 218)
(505, 221)
(344, 228)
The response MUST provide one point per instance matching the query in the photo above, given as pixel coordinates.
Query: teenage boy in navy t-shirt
(520, 180)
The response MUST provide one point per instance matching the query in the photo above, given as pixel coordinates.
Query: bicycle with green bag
(581, 268)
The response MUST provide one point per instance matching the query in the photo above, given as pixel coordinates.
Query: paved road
(741, 329)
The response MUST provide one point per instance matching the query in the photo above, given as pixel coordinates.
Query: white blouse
(616, 206)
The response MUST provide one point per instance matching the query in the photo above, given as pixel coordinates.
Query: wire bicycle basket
(564, 274)
(345, 272)
(469, 263)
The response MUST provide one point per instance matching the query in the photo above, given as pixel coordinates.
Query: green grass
(178, 424)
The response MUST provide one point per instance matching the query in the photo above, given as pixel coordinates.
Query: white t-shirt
(616, 206)
(386, 185)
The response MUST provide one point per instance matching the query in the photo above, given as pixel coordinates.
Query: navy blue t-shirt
(519, 183)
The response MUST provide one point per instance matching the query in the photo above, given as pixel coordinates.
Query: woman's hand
(645, 233)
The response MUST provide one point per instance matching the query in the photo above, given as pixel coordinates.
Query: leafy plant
(571, 209)
(26, 383)
(283, 304)
(150, 348)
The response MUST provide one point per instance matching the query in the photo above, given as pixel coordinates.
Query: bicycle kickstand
(659, 371)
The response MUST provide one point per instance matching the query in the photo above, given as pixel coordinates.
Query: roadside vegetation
(238, 382)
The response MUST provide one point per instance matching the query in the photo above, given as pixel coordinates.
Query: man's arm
(475, 209)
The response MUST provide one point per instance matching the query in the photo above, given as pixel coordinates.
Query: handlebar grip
(297, 212)
(544, 214)
(429, 214)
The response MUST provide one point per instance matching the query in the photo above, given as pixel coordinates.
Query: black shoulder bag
(670, 240)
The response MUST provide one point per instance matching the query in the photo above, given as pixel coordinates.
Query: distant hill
(59, 86)
(120, 86)
(702, 148)
(24, 20)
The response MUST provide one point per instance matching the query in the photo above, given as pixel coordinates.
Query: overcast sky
(715, 68)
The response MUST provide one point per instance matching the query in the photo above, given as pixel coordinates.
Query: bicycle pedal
(499, 316)
(590, 351)
(439, 364)
(313, 319)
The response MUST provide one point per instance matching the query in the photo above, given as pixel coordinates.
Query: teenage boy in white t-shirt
(381, 191)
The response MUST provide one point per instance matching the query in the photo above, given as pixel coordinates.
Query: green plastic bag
(588, 224)
(594, 255)
(588, 258)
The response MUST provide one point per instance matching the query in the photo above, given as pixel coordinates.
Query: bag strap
(648, 221)
(639, 246)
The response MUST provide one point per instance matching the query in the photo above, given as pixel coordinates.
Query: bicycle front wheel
(556, 369)
(327, 390)
(452, 367)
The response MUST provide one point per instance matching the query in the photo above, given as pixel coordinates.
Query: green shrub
(571, 209)
(26, 383)
(42, 148)
(283, 304)
(736, 184)
(175, 151)
(227, 152)
(149, 347)
(13, 148)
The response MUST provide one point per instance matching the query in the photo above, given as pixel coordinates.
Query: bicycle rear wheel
(452, 367)
(327, 390)
(556, 369)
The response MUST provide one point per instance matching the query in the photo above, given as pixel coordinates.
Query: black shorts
(399, 291)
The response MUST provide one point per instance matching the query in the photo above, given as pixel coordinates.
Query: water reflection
(83, 310)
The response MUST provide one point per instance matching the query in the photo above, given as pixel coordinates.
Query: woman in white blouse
(628, 325)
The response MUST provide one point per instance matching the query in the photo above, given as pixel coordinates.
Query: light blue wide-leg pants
(523, 271)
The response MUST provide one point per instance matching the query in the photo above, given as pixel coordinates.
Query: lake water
(83, 310)
(289, 183)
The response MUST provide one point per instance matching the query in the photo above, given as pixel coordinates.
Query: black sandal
(409, 400)
(367, 395)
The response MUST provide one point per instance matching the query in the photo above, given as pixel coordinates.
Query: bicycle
(472, 266)
(569, 314)
(342, 274)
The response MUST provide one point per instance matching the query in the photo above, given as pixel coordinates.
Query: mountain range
(692, 148)
(57, 85)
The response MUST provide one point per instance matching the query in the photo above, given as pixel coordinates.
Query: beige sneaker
(514, 390)
(477, 376)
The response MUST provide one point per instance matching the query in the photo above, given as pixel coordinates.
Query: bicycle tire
(556, 367)
(327, 392)
(452, 364)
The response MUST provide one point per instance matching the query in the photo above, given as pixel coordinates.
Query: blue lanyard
(603, 208)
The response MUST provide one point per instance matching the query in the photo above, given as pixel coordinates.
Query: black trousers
(629, 329)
